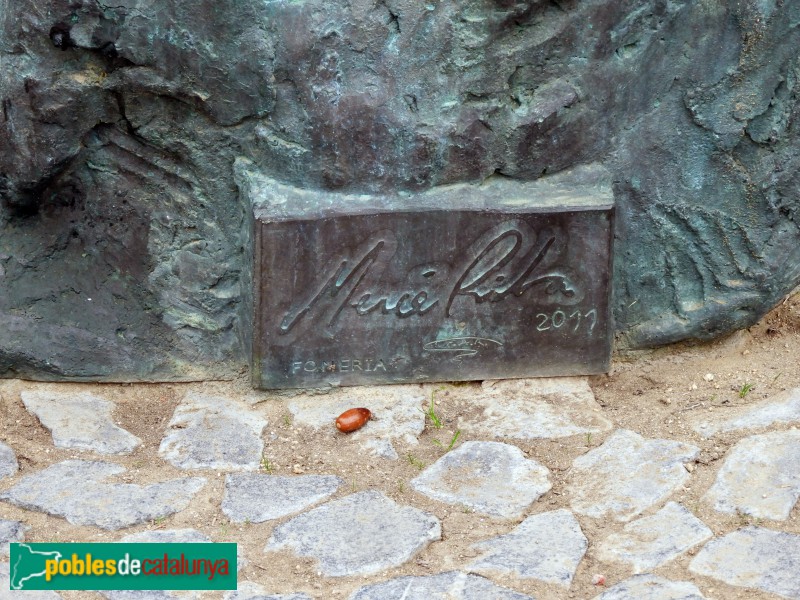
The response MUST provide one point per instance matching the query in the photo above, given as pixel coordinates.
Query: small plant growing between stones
(287, 420)
(745, 389)
(452, 441)
(746, 519)
(415, 461)
(431, 413)
(267, 465)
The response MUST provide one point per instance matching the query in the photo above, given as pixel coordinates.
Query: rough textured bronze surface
(123, 127)
(469, 282)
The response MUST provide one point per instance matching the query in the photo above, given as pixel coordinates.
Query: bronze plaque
(469, 282)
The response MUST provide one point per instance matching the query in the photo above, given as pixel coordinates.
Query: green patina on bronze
(124, 248)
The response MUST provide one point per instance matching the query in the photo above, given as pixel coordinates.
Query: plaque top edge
(585, 188)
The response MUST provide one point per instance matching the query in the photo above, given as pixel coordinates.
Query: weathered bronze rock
(124, 237)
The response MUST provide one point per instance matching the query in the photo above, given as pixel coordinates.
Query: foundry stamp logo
(123, 566)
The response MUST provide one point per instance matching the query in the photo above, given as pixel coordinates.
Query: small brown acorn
(353, 419)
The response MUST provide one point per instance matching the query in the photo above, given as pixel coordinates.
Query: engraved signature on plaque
(461, 346)
(509, 259)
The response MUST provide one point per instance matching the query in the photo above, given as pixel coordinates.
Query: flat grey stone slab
(443, 586)
(211, 432)
(753, 557)
(7, 594)
(651, 587)
(649, 542)
(760, 476)
(10, 531)
(490, 477)
(360, 534)
(76, 491)
(81, 421)
(627, 475)
(534, 408)
(397, 408)
(257, 498)
(784, 408)
(252, 591)
(8, 461)
(380, 448)
(547, 547)
(167, 536)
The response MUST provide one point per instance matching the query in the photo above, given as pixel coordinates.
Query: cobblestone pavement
(529, 489)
